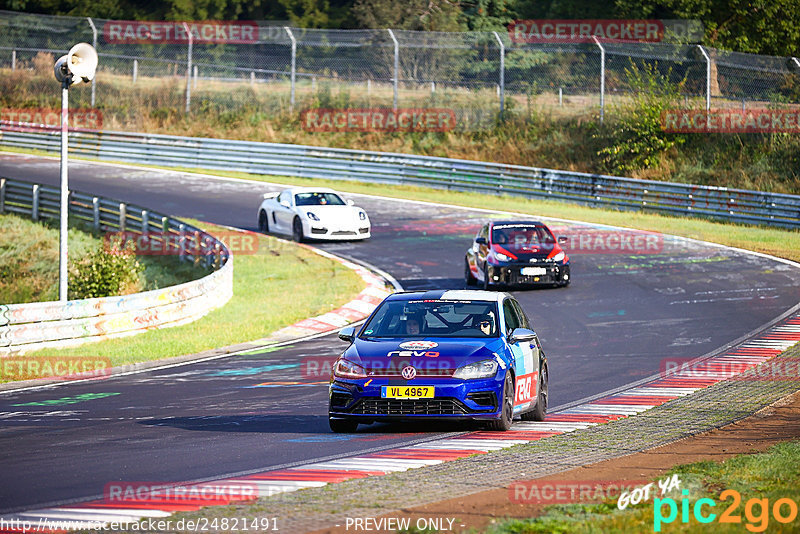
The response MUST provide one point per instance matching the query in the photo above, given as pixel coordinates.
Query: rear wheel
(343, 426)
(469, 278)
(297, 230)
(263, 222)
(485, 278)
(507, 414)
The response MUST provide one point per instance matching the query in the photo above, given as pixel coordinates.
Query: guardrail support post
(96, 213)
(145, 221)
(708, 76)
(602, 78)
(396, 67)
(94, 44)
(188, 67)
(122, 216)
(502, 72)
(35, 203)
(294, 66)
(2, 195)
(182, 240)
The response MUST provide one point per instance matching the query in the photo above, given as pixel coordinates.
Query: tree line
(769, 27)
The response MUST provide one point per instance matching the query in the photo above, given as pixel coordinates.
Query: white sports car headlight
(482, 369)
(312, 216)
(362, 215)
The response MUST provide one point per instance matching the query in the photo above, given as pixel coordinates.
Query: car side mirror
(562, 239)
(347, 333)
(350, 202)
(481, 240)
(284, 203)
(521, 335)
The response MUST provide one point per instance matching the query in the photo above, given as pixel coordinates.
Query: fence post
(396, 66)
(708, 76)
(188, 67)
(602, 78)
(13, 60)
(96, 213)
(502, 72)
(145, 221)
(560, 96)
(294, 65)
(94, 44)
(135, 69)
(194, 76)
(2, 195)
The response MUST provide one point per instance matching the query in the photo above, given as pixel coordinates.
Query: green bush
(109, 270)
(635, 139)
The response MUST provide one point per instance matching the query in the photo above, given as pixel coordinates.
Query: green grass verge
(277, 286)
(29, 261)
(772, 475)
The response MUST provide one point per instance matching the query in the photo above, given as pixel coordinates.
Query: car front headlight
(502, 257)
(559, 257)
(482, 369)
(362, 215)
(312, 216)
(347, 369)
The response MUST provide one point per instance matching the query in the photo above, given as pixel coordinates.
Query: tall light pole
(79, 65)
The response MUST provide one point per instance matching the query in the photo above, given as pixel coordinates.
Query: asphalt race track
(622, 316)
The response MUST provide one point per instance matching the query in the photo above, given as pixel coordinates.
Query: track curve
(615, 324)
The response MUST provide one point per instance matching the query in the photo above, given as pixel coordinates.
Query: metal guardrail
(731, 205)
(26, 327)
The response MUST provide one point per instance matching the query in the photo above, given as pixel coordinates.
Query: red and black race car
(511, 253)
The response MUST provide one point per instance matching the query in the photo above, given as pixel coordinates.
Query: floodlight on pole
(79, 65)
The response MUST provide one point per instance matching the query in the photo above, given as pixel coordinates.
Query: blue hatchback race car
(446, 354)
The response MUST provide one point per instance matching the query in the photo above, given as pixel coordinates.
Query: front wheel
(507, 414)
(297, 230)
(469, 278)
(540, 411)
(263, 222)
(485, 278)
(343, 426)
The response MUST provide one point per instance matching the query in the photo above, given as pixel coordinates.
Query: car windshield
(318, 199)
(433, 318)
(521, 236)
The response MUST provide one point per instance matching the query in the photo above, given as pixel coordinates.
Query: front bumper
(453, 399)
(321, 230)
(514, 274)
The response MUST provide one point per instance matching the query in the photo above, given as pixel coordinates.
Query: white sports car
(312, 213)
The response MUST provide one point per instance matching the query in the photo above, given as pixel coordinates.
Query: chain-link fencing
(151, 72)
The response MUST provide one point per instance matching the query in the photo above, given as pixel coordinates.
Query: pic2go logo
(756, 511)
